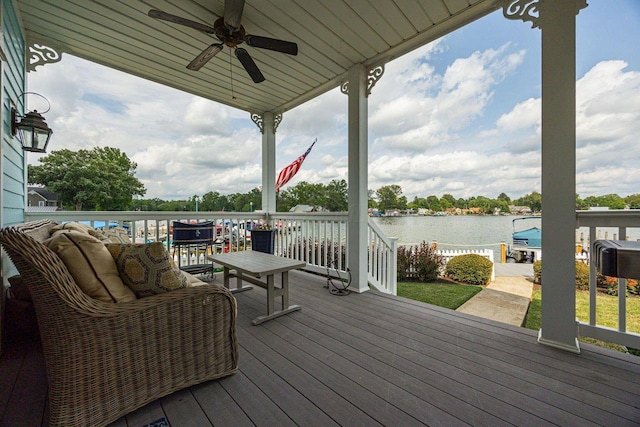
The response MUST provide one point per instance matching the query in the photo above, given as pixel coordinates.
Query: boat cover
(531, 238)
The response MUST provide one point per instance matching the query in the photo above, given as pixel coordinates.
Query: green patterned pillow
(146, 268)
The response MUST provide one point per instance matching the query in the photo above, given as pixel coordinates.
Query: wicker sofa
(105, 360)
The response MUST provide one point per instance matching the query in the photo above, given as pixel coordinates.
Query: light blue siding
(13, 84)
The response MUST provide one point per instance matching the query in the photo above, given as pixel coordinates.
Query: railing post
(392, 266)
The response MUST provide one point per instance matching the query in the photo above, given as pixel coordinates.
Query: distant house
(520, 210)
(305, 208)
(39, 199)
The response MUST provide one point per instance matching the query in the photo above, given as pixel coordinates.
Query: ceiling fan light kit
(229, 30)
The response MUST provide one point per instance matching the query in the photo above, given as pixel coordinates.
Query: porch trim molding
(529, 11)
(40, 54)
(373, 76)
(572, 348)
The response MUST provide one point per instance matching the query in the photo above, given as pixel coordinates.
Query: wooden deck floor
(371, 359)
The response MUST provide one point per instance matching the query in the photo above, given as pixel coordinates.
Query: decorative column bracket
(373, 76)
(257, 119)
(529, 10)
(40, 54)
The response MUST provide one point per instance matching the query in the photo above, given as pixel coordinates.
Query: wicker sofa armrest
(142, 350)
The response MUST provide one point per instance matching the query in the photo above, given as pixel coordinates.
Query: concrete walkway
(507, 298)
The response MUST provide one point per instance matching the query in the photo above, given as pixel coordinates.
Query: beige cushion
(113, 235)
(146, 268)
(91, 266)
(74, 226)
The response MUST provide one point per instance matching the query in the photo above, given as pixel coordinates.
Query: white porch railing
(382, 262)
(319, 239)
(600, 223)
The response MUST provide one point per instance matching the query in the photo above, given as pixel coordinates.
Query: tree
(434, 203)
(533, 200)
(388, 197)
(372, 202)
(96, 179)
(633, 201)
(448, 200)
(504, 198)
(612, 201)
(337, 198)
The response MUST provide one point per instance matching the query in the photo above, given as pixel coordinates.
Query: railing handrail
(376, 228)
(608, 218)
(322, 216)
(139, 215)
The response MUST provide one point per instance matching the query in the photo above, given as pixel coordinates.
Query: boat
(526, 240)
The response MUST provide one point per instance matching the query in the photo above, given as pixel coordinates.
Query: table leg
(239, 287)
(271, 298)
(285, 289)
(225, 276)
(272, 293)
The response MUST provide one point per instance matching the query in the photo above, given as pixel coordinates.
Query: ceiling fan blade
(205, 56)
(233, 14)
(158, 14)
(272, 44)
(249, 65)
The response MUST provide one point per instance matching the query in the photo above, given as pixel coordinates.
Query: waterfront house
(347, 44)
(42, 198)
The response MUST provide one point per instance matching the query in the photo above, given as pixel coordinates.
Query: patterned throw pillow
(146, 268)
(91, 265)
(114, 235)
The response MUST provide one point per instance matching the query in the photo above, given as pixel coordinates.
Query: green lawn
(448, 295)
(606, 313)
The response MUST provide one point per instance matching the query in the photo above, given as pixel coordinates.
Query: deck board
(372, 359)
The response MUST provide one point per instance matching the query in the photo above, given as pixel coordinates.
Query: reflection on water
(469, 231)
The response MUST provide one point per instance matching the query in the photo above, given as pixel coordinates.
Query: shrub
(419, 262)
(537, 271)
(472, 269)
(582, 274)
(612, 286)
(404, 262)
(427, 263)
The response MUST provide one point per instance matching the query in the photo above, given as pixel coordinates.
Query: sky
(458, 116)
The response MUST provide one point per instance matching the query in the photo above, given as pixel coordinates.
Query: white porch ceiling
(332, 36)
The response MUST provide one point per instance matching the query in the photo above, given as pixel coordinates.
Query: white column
(268, 163)
(358, 181)
(558, 23)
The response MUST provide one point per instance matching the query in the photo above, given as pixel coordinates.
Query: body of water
(468, 231)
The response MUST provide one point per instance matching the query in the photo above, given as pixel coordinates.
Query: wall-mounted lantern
(34, 131)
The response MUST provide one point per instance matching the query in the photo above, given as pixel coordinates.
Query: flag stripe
(288, 172)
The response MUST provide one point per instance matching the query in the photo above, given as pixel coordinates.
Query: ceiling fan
(230, 32)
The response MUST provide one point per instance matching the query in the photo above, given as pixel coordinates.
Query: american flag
(287, 173)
